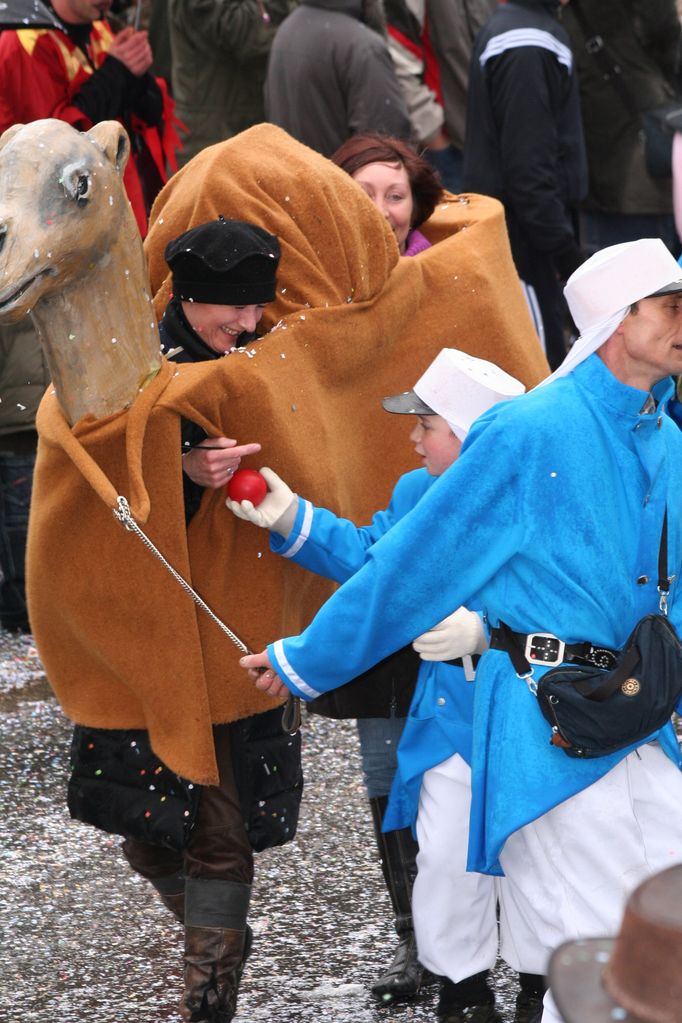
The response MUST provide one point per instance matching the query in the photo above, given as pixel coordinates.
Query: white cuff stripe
(304, 533)
(302, 686)
(527, 37)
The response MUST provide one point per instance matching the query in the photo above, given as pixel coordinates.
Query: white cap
(457, 387)
(600, 292)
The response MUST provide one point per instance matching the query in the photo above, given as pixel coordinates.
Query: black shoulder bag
(593, 711)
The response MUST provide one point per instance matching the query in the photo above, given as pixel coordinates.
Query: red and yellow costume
(42, 70)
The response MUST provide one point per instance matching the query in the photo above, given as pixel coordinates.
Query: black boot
(398, 851)
(470, 1001)
(217, 942)
(172, 893)
(529, 1006)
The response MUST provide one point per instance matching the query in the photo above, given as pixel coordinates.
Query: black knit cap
(224, 262)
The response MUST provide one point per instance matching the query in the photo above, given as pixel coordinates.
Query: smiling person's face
(219, 326)
(388, 186)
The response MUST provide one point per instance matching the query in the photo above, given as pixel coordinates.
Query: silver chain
(291, 715)
(124, 515)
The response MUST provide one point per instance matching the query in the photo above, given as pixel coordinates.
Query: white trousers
(569, 873)
(454, 912)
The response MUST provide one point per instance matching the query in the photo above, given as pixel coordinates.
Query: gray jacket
(330, 77)
(452, 28)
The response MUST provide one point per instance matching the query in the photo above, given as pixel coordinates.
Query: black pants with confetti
(219, 847)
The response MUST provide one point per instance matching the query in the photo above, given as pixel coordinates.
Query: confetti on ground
(83, 939)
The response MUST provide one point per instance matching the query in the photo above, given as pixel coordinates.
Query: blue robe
(549, 521)
(441, 713)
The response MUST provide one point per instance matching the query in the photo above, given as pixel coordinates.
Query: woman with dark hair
(400, 183)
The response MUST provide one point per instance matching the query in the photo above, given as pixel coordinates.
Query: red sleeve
(34, 81)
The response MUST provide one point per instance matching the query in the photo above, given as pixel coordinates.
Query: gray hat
(407, 402)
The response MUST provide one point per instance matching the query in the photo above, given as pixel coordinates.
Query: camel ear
(8, 135)
(111, 138)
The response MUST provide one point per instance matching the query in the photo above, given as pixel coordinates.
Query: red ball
(247, 485)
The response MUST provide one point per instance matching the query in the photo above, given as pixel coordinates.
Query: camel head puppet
(122, 643)
(71, 256)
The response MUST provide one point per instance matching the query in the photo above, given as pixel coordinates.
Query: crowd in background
(572, 173)
(549, 106)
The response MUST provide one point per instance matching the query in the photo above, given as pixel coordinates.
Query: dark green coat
(220, 51)
(23, 380)
(643, 36)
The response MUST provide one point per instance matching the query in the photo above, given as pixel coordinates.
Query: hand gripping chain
(291, 715)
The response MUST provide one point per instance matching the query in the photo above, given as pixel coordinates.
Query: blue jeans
(16, 480)
(379, 738)
(600, 229)
(448, 163)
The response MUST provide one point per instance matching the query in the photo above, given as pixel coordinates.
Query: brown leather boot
(171, 891)
(216, 946)
(214, 960)
(176, 904)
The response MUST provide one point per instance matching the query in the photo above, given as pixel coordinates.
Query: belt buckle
(544, 648)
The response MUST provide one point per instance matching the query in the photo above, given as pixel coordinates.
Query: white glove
(458, 635)
(277, 510)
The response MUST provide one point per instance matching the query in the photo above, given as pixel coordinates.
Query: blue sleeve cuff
(300, 532)
(291, 679)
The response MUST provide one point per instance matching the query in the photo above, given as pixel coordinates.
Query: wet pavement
(83, 940)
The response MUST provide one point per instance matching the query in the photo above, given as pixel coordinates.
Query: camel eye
(77, 184)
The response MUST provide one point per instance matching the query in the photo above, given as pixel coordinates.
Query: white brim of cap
(586, 345)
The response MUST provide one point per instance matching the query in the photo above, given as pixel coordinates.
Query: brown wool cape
(123, 645)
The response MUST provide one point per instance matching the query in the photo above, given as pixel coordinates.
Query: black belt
(457, 662)
(526, 649)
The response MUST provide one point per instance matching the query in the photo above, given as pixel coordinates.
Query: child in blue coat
(454, 911)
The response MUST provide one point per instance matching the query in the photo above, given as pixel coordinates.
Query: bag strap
(613, 681)
(516, 652)
(664, 580)
(610, 68)
(291, 715)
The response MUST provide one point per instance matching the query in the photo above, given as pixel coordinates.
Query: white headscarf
(602, 290)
